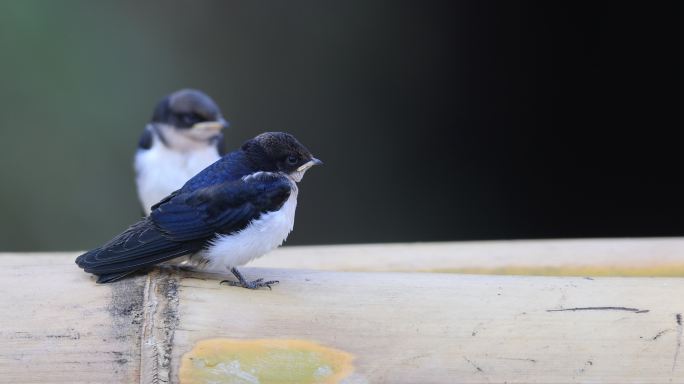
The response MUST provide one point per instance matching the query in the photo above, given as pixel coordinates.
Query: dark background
(436, 120)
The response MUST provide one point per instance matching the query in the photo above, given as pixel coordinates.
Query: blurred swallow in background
(183, 137)
(234, 211)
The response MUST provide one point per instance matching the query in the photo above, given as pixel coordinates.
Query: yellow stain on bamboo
(663, 270)
(264, 361)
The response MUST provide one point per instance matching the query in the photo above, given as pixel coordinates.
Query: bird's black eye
(292, 159)
(189, 119)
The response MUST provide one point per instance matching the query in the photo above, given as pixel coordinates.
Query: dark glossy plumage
(221, 208)
(146, 139)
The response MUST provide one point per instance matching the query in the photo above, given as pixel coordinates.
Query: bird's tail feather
(112, 277)
(140, 246)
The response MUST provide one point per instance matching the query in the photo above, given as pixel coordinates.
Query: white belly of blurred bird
(160, 171)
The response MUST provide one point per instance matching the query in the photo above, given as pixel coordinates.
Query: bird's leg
(256, 284)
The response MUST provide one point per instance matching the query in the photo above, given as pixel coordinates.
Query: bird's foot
(256, 284)
(242, 282)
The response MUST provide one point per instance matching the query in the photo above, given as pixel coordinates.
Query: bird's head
(189, 118)
(280, 152)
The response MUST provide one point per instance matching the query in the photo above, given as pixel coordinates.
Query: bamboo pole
(574, 257)
(57, 326)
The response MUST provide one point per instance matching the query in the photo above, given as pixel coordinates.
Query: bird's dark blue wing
(146, 139)
(139, 246)
(183, 222)
(164, 200)
(222, 208)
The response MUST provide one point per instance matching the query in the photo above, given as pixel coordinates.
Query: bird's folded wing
(222, 208)
(183, 222)
(139, 246)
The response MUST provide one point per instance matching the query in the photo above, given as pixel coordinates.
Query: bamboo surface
(347, 322)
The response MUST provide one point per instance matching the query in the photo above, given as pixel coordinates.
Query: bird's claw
(256, 284)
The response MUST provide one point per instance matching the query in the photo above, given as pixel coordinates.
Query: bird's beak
(309, 164)
(211, 125)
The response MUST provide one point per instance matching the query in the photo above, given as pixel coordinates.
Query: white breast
(257, 239)
(160, 170)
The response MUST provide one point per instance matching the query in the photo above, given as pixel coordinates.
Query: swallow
(235, 210)
(183, 137)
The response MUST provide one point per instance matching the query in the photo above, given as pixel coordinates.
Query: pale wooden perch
(57, 326)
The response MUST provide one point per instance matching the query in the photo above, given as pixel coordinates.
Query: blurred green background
(436, 120)
(79, 80)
